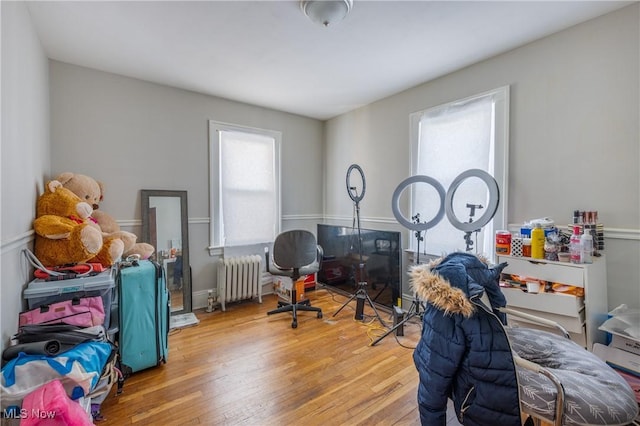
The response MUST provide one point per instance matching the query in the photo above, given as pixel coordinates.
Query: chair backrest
(295, 249)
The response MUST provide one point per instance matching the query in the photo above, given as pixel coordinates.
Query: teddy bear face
(59, 201)
(88, 189)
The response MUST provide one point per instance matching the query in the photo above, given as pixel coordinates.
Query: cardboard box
(628, 344)
(618, 359)
(282, 286)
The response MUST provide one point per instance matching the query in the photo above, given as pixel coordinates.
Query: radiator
(239, 278)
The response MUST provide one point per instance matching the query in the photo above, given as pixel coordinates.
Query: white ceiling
(268, 53)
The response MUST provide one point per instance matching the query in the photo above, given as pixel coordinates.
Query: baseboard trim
(199, 298)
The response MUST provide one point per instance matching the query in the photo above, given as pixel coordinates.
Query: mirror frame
(145, 194)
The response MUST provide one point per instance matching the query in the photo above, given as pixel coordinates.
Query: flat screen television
(380, 255)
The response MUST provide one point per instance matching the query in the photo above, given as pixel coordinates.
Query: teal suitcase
(144, 313)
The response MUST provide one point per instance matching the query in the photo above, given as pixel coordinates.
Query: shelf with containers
(580, 314)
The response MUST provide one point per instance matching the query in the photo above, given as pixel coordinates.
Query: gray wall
(25, 153)
(574, 137)
(133, 135)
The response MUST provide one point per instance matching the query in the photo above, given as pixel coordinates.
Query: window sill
(215, 251)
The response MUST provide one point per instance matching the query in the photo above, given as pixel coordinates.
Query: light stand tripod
(414, 309)
(361, 294)
(467, 235)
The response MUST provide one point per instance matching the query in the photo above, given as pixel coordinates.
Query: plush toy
(91, 191)
(65, 232)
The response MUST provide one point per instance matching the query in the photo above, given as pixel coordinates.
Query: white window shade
(247, 185)
(448, 140)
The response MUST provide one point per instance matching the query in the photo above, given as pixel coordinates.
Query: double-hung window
(244, 185)
(448, 140)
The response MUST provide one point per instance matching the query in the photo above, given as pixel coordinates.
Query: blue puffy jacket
(464, 353)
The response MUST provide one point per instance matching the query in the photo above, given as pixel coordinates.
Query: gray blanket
(594, 393)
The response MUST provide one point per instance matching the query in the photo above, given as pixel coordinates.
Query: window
(244, 184)
(447, 140)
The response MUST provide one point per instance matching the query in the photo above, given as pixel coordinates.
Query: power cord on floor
(376, 332)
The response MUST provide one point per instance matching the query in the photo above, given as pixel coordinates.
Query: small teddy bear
(66, 234)
(91, 191)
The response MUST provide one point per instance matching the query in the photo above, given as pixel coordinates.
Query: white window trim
(215, 127)
(501, 155)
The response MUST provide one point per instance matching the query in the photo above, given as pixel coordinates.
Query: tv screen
(380, 256)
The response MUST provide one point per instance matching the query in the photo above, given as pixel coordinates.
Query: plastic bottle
(526, 247)
(576, 217)
(537, 242)
(586, 246)
(503, 242)
(575, 246)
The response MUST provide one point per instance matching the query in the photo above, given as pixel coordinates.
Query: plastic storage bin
(41, 292)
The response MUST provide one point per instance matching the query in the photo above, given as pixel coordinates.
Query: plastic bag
(624, 322)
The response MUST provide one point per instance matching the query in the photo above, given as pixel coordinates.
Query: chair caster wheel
(319, 314)
(294, 324)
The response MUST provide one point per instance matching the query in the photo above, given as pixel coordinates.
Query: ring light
(494, 198)
(395, 203)
(362, 293)
(354, 196)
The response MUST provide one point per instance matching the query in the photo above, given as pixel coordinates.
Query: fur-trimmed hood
(450, 282)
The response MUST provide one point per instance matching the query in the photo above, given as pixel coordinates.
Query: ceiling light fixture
(326, 12)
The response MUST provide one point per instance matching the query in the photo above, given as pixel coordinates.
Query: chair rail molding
(17, 241)
(130, 223)
(363, 219)
(302, 217)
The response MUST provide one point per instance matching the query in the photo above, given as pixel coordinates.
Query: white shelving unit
(581, 316)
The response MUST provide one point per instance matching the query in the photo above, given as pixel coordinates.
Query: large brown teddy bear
(65, 232)
(91, 191)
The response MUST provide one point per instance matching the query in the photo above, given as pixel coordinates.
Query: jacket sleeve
(437, 358)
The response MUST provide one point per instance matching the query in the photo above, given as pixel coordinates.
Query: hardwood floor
(243, 367)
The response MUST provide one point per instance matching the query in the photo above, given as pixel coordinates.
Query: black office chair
(295, 253)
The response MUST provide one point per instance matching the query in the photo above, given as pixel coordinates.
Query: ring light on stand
(361, 294)
(414, 225)
(494, 198)
(418, 227)
(395, 203)
(351, 190)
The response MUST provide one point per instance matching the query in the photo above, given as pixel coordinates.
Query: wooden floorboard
(244, 367)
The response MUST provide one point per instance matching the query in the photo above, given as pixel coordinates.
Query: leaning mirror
(165, 226)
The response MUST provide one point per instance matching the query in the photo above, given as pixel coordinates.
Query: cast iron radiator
(239, 278)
